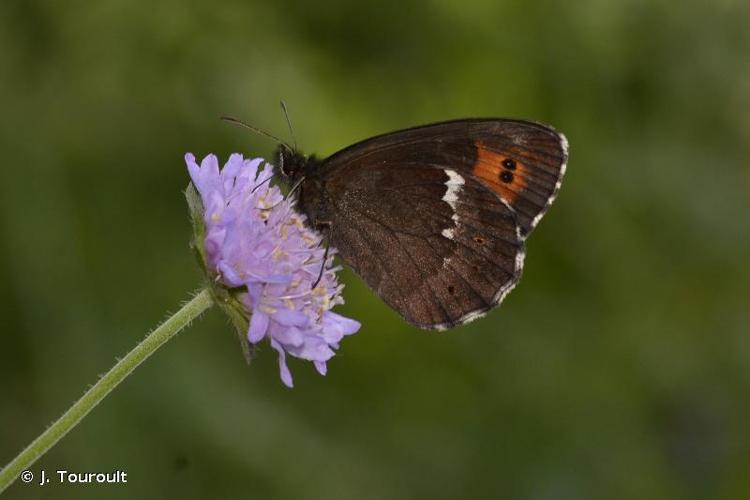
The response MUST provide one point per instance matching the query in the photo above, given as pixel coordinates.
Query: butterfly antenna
(257, 130)
(288, 122)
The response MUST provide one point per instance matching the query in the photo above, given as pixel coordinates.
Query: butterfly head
(292, 165)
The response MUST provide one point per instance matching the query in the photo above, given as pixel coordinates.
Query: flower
(256, 242)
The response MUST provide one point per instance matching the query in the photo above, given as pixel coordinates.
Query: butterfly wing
(416, 214)
(438, 248)
(522, 162)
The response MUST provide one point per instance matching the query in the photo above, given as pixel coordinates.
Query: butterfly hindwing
(438, 247)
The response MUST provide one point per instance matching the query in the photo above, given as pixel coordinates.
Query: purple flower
(257, 242)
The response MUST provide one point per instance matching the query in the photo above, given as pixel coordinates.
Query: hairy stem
(191, 310)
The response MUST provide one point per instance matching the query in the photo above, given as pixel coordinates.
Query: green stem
(194, 308)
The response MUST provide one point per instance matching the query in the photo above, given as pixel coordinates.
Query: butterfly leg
(319, 226)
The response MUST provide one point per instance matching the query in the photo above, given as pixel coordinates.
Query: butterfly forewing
(522, 162)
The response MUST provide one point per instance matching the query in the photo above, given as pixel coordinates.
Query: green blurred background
(619, 368)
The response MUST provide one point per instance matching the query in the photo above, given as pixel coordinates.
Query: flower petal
(230, 171)
(193, 168)
(289, 336)
(335, 326)
(286, 375)
(291, 318)
(313, 348)
(258, 327)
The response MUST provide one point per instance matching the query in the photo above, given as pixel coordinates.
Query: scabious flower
(255, 242)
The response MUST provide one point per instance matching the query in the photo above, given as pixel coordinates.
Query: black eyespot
(506, 177)
(509, 163)
(451, 289)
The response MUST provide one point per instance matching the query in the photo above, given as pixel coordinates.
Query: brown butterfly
(434, 218)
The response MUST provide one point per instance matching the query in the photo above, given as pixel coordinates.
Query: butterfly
(434, 218)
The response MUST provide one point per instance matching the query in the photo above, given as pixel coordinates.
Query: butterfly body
(434, 218)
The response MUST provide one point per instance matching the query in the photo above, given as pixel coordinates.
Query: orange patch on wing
(489, 167)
